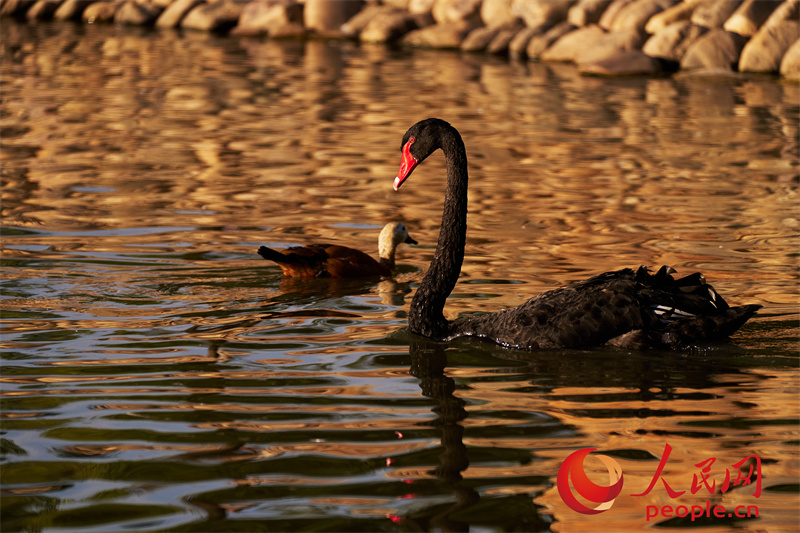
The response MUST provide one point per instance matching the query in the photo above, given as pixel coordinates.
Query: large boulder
(16, 8)
(392, 25)
(326, 17)
(790, 64)
(135, 13)
(718, 49)
(788, 10)
(611, 12)
(271, 17)
(749, 16)
(97, 12)
(635, 15)
(421, 7)
(172, 16)
(587, 12)
(763, 53)
(478, 39)
(359, 21)
(672, 42)
(571, 45)
(71, 9)
(543, 41)
(519, 44)
(713, 14)
(676, 13)
(218, 17)
(43, 10)
(500, 43)
(457, 12)
(440, 35)
(497, 12)
(538, 12)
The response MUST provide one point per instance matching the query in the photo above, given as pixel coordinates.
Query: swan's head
(420, 141)
(392, 235)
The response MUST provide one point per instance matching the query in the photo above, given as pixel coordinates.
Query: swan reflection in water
(634, 379)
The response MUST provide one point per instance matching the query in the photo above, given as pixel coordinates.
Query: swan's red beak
(407, 164)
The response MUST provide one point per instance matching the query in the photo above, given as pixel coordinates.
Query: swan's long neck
(425, 315)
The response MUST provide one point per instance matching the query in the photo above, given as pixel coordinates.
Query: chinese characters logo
(572, 470)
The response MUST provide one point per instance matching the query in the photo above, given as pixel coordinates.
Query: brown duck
(334, 261)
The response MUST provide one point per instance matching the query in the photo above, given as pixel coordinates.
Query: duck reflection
(301, 290)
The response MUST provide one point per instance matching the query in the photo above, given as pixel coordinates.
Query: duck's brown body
(326, 261)
(335, 261)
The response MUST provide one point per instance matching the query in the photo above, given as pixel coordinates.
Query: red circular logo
(572, 471)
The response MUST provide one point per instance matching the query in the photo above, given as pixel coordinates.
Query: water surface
(157, 375)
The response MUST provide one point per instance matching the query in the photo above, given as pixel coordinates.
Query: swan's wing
(624, 308)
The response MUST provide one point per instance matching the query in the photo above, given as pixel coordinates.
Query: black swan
(626, 308)
(334, 261)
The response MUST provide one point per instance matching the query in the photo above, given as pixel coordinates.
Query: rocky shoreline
(603, 37)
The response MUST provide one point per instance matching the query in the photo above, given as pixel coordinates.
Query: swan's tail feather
(684, 333)
(690, 309)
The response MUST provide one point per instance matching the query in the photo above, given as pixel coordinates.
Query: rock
(359, 21)
(611, 44)
(717, 49)
(713, 14)
(538, 12)
(457, 12)
(749, 16)
(71, 9)
(788, 10)
(568, 47)
(439, 35)
(611, 12)
(478, 39)
(137, 14)
(326, 17)
(271, 17)
(496, 12)
(763, 53)
(420, 7)
(16, 8)
(217, 17)
(790, 64)
(672, 42)
(630, 63)
(42, 10)
(518, 47)
(499, 45)
(390, 26)
(587, 12)
(676, 13)
(541, 42)
(100, 12)
(172, 16)
(637, 13)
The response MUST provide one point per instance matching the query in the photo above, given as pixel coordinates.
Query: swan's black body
(626, 308)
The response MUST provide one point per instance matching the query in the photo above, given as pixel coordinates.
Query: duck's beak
(409, 240)
(407, 165)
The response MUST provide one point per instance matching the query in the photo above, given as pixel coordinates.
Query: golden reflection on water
(144, 340)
